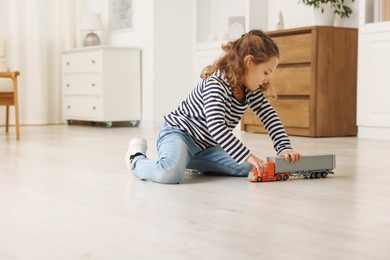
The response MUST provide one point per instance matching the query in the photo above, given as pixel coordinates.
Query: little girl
(198, 134)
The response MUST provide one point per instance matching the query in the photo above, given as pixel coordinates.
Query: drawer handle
(93, 84)
(68, 107)
(93, 61)
(68, 85)
(94, 108)
(67, 63)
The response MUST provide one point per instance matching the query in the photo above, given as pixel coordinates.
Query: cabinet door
(373, 89)
(82, 84)
(90, 61)
(291, 80)
(83, 108)
(293, 112)
(294, 48)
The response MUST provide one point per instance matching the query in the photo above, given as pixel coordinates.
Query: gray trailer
(310, 166)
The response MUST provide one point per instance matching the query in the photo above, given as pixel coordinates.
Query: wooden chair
(10, 98)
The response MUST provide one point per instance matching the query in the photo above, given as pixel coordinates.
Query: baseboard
(374, 132)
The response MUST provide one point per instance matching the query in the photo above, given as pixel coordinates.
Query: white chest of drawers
(102, 84)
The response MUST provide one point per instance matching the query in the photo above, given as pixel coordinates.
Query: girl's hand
(291, 156)
(258, 163)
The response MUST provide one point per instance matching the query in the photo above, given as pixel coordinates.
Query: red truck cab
(269, 175)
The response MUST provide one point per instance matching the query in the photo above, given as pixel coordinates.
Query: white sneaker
(136, 145)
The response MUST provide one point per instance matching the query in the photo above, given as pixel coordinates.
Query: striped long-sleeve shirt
(211, 112)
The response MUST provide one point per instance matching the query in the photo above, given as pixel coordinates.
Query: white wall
(164, 35)
(172, 55)
(141, 36)
(162, 28)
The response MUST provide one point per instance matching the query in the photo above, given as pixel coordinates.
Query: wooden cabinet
(315, 82)
(102, 84)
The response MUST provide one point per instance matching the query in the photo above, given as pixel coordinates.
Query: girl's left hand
(291, 156)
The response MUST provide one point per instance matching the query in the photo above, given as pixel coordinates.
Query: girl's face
(257, 74)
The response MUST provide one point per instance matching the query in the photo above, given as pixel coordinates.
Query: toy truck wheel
(324, 174)
(279, 178)
(312, 175)
(285, 177)
(318, 175)
(259, 179)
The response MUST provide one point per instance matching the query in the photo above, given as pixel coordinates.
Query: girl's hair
(231, 63)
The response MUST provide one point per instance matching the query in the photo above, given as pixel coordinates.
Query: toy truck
(310, 166)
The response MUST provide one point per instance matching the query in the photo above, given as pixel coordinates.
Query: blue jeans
(178, 152)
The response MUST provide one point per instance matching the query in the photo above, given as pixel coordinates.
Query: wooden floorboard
(65, 193)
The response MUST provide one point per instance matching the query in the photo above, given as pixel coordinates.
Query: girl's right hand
(258, 163)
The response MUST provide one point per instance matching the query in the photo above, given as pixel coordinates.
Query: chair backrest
(8, 88)
(6, 85)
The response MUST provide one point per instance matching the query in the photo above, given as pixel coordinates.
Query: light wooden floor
(65, 193)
